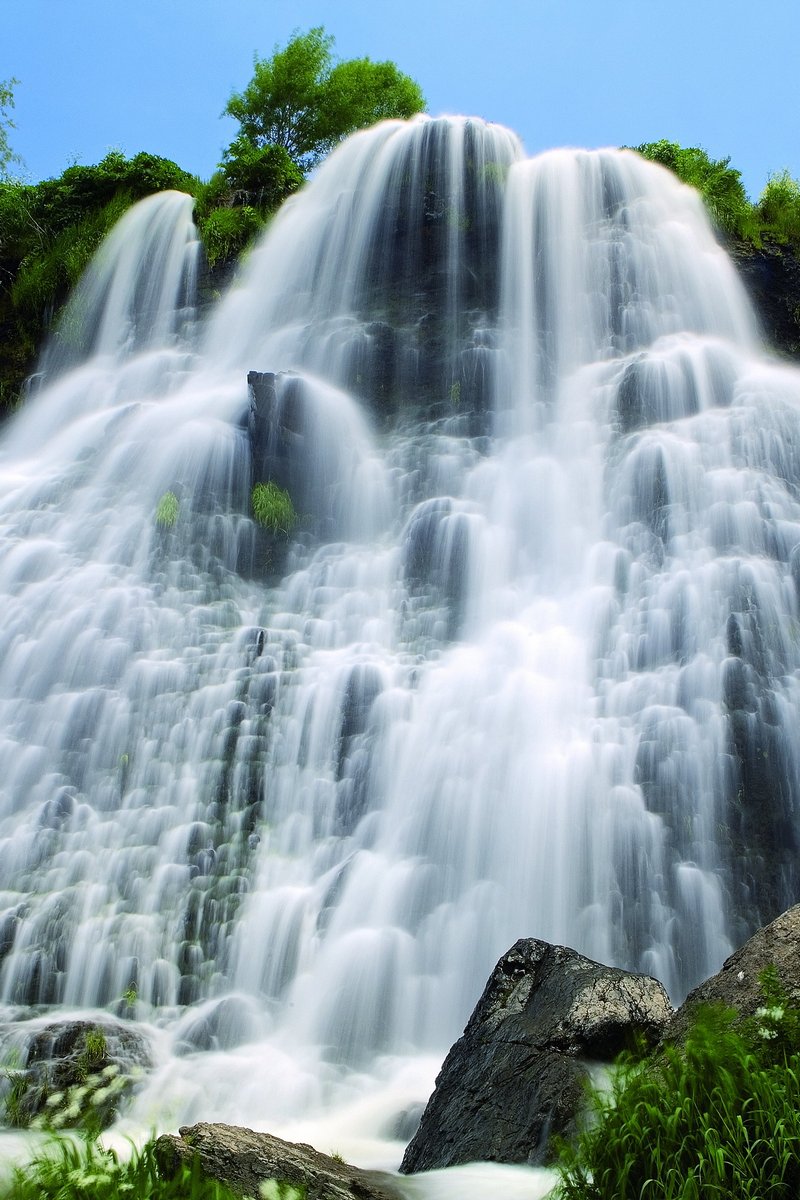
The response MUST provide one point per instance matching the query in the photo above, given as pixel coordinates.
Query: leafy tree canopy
(304, 101)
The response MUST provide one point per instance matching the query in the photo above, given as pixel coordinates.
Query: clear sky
(155, 74)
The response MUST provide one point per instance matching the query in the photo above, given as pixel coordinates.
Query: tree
(302, 100)
(7, 155)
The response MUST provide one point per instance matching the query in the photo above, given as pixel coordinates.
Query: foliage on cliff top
(775, 216)
(718, 1117)
(303, 101)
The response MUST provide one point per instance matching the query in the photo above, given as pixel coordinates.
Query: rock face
(243, 1160)
(59, 1056)
(772, 278)
(517, 1074)
(736, 983)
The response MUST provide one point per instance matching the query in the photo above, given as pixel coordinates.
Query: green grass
(273, 508)
(80, 1170)
(167, 510)
(715, 1119)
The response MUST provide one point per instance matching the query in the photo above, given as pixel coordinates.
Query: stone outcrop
(58, 1057)
(736, 984)
(772, 278)
(244, 1160)
(517, 1075)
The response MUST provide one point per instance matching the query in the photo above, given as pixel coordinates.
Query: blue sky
(155, 74)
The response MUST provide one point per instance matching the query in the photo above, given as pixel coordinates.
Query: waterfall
(526, 665)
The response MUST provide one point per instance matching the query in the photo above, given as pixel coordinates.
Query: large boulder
(736, 984)
(517, 1075)
(244, 1161)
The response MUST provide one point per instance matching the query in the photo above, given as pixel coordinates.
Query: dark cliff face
(772, 278)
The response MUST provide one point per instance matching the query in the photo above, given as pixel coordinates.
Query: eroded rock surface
(736, 984)
(517, 1074)
(243, 1160)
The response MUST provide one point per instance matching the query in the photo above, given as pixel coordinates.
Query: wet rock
(771, 275)
(217, 1025)
(736, 984)
(244, 1160)
(517, 1075)
(57, 1057)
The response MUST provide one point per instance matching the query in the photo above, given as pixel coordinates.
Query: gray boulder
(736, 984)
(517, 1075)
(243, 1160)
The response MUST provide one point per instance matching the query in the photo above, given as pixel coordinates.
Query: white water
(518, 675)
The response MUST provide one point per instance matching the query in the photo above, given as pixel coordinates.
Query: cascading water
(526, 666)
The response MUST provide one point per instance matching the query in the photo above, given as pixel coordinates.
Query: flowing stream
(526, 665)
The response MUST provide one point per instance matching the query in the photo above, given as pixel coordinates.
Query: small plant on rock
(167, 510)
(273, 508)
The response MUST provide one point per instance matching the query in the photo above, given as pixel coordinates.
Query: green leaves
(715, 1118)
(779, 208)
(717, 182)
(302, 101)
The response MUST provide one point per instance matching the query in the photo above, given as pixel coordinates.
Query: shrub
(273, 508)
(226, 232)
(779, 207)
(719, 1117)
(267, 174)
(718, 183)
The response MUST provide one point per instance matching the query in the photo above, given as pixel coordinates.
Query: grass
(84, 1170)
(167, 510)
(273, 508)
(717, 1118)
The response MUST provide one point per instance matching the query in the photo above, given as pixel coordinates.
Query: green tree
(304, 101)
(7, 155)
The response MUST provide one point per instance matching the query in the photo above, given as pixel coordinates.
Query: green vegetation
(776, 216)
(167, 510)
(7, 155)
(719, 1117)
(273, 508)
(69, 1170)
(48, 234)
(298, 105)
(302, 101)
(779, 208)
(227, 232)
(717, 182)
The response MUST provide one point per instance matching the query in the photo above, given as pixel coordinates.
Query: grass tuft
(167, 510)
(273, 508)
(716, 1118)
(85, 1170)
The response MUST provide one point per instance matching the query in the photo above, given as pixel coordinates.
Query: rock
(59, 1056)
(771, 275)
(517, 1075)
(220, 1024)
(244, 1160)
(736, 983)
